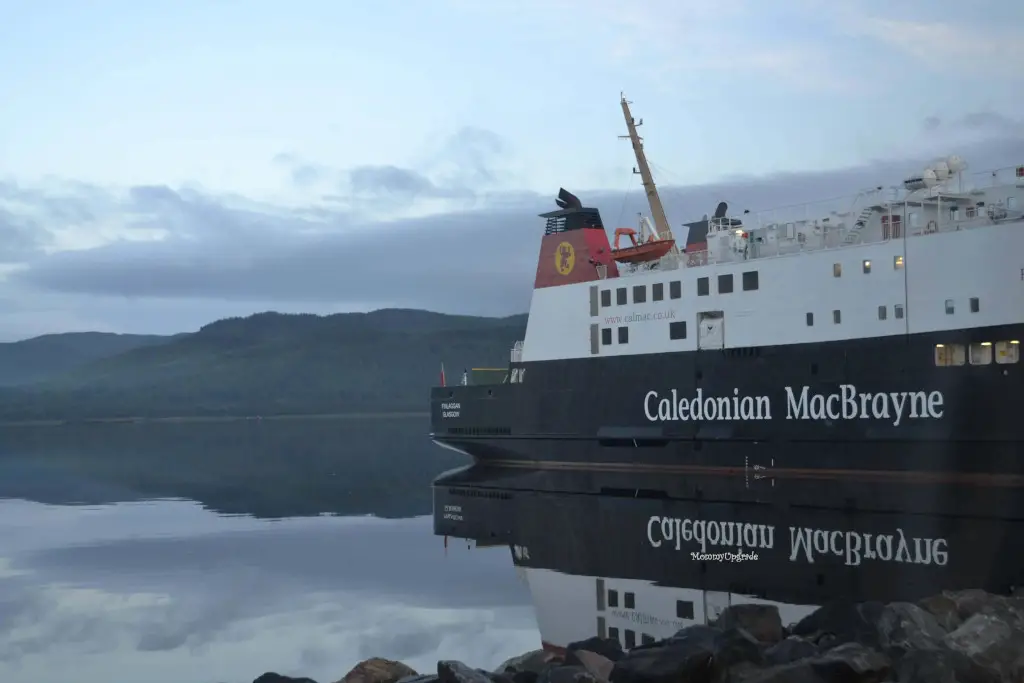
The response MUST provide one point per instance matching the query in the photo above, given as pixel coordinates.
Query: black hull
(607, 398)
(908, 491)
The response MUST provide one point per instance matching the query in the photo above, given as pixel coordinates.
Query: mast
(657, 210)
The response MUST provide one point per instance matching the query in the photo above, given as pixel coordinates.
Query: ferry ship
(796, 405)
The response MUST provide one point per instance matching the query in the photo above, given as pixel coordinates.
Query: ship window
(725, 283)
(981, 353)
(677, 330)
(897, 262)
(914, 220)
(1011, 203)
(613, 633)
(606, 298)
(971, 212)
(647, 640)
(639, 294)
(620, 296)
(949, 307)
(613, 598)
(750, 280)
(657, 291)
(675, 289)
(1007, 352)
(703, 286)
(810, 319)
(629, 600)
(606, 336)
(954, 213)
(630, 639)
(949, 355)
(837, 269)
(684, 609)
(837, 316)
(975, 304)
(898, 311)
(866, 266)
(881, 312)
(623, 335)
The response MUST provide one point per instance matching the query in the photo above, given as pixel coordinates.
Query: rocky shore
(956, 637)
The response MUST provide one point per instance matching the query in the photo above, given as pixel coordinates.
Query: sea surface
(206, 552)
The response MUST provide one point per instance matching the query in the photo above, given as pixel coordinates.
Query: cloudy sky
(164, 164)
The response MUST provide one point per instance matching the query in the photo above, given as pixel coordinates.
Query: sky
(166, 164)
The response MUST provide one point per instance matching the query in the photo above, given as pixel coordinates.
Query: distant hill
(39, 358)
(274, 364)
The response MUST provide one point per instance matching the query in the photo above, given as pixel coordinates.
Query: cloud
(673, 39)
(171, 251)
(978, 43)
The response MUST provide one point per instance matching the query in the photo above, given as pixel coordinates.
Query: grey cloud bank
(347, 252)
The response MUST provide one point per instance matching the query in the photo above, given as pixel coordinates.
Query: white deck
(956, 262)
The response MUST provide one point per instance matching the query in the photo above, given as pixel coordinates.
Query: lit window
(949, 307)
(948, 355)
(897, 262)
(867, 266)
(981, 353)
(837, 269)
(1007, 352)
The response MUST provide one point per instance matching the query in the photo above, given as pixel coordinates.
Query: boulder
(378, 670)
(761, 621)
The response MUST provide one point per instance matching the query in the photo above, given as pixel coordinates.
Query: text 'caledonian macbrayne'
(845, 404)
(805, 543)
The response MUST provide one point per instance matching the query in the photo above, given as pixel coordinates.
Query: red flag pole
(442, 374)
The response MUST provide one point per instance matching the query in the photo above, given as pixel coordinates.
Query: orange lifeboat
(639, 252)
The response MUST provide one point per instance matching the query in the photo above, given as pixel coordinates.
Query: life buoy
(932, 227)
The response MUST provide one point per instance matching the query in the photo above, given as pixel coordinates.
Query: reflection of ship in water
(790, 409)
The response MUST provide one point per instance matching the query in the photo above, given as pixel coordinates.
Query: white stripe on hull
(571, 608)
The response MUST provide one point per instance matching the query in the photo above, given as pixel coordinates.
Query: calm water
(201, 553)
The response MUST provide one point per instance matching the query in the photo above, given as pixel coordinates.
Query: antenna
(661, 225)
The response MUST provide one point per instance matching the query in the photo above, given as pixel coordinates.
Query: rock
(841, 622)
(568, 673)
(944, 609)
(606, 647)
(599, 666)
(848, 663)
(451, 671)
(956, 637)
(992, 642)
(686, 656)
(906, 626)
(696, 654)
(378, 670)
(942, 666)
(791, 649)
(534, 661)
(761, 621)
(272, 677)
